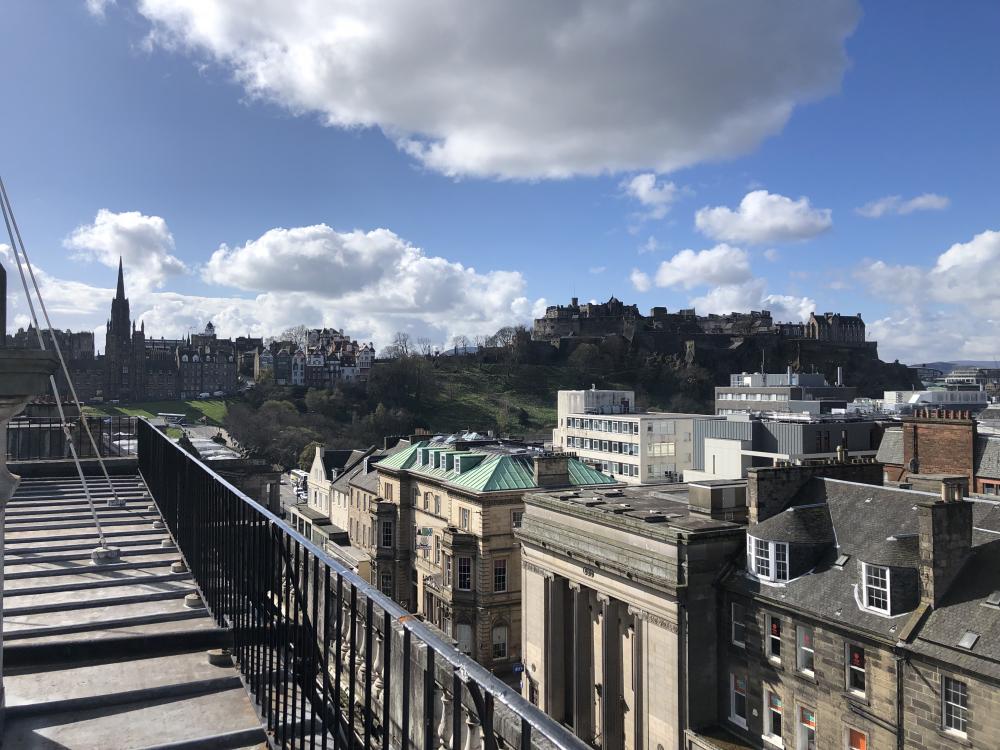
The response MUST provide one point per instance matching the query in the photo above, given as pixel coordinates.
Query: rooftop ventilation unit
(968, 640)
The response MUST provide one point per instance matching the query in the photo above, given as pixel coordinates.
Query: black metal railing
(43, 438)
(329, 661)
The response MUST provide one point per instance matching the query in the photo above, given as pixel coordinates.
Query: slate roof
(879, 525)
(336, 459)
(498, 472)
(862, 518)
(809, 524)
(890, 450)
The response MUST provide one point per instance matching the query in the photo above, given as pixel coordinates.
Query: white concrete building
(601, 427)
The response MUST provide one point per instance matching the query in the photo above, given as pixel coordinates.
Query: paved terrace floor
(108, 656)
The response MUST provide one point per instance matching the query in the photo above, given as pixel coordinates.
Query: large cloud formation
(521, 89)
(370, 283)
(948, 311)
(764, 217)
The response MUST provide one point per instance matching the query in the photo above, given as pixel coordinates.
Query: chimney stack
(551, 470)
(840, 376)
(945, 542)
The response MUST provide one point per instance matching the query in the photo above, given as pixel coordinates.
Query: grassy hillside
(213, 409)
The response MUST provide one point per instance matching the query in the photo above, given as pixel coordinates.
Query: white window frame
(770, 638)
(776, 559)
(801, 727)
(960, 713)
(458, 574)
(741, 622)
(881, 591)
(385, 582)
(772, 739)
(501, 627)
(799, 649)
(386, 533)
(465, 518)
(740, 721)
(849, 668)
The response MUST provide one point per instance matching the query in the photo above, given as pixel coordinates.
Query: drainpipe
(23, 374)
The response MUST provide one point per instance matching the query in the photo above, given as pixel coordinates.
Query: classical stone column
(611, 670)
(24, 373)
(581, 692)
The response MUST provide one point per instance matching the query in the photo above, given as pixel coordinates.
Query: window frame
(503, 627)
(800, 725)
(768, 735)
(850, 669)
(464, 518)
(776, 559)
(383, 578)
(459, 574)
(772, 639)
(386, 527)
(959, 711)
(847, 739)
(741, 622)
(500, 575)
(881, 591)
(800, 649)
(740, 721)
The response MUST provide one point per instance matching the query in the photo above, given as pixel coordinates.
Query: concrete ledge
(122, 622)
(75, 571)
(64, 468)
(30, 657)
(38, 609)
(179, 690)
(100, 584)
(225, 741)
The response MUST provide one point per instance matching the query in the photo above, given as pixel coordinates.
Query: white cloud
(771, 254)
(764, 217)
(640, 280)
(370, 283)
(586, 87)
(894, 204)
(722, 264)
(144, 243)
(598, 269)
(750, 295)
(654, 196)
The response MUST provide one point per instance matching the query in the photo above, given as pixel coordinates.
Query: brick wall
(934, 445)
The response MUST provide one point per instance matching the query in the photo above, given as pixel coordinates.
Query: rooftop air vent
(841, 561)
(968, 640)
(994, 599)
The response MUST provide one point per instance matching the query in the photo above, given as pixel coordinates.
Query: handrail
(534, 722)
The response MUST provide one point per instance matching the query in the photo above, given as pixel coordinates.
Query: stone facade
(618, 607)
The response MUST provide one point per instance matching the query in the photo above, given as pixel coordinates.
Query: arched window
(500, 641)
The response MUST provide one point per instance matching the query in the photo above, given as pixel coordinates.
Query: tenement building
(861, 617)
(603, 428)
(444, 546)
(619, 621)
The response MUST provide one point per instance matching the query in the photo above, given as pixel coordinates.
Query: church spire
(121, 280)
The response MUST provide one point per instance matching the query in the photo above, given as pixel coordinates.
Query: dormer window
(875, 582)
(767, 560)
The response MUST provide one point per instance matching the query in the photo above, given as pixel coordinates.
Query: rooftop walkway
(113, 655)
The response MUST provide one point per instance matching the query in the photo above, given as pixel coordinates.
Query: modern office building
(726, 448)
(781, 392)
(603, 429)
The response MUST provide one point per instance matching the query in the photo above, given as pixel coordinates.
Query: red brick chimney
(939, 441)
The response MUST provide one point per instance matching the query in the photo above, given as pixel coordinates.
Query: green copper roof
(496, 473)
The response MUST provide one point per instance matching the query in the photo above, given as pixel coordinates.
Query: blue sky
(249, 186)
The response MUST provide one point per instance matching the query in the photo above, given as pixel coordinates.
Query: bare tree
(424, 346)
(460, 343)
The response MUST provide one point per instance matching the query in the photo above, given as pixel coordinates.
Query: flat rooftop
(113, 655)
(660, 505)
